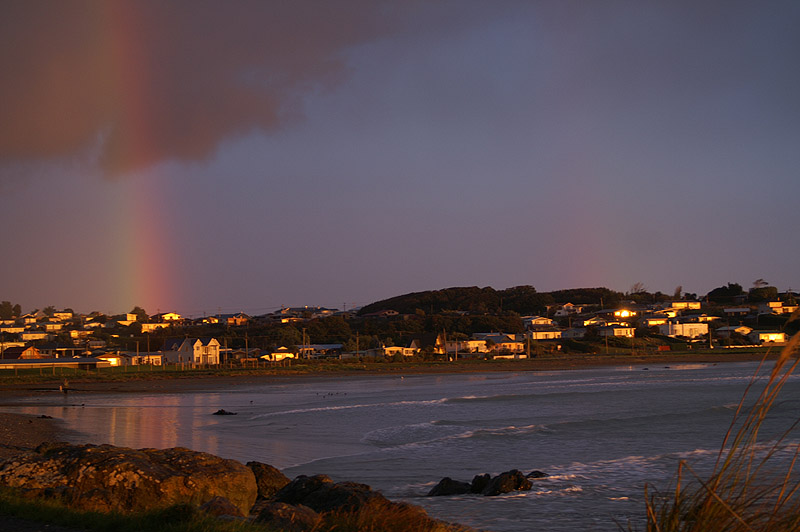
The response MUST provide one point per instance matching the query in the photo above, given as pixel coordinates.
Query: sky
(204, 156)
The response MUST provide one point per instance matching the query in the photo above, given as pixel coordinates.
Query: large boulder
(268, 479)
(288, 518)
(108, 478)
(321, 494)
(507, 482)
(479, 483)
(448, 486)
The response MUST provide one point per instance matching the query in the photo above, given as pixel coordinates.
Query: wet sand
(21, 433)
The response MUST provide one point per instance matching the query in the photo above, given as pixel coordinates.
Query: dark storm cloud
(154, 80)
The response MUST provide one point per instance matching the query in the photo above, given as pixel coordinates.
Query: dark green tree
(9, 311)
(141, 315)
(725, 294)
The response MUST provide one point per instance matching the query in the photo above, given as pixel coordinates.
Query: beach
(600, 430)
(19, 433)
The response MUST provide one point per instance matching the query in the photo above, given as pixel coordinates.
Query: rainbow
(141, 229)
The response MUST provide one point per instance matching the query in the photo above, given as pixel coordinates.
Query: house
(167, 316)
(391, 351)
(767, 337)
(726, 332)
(143, 358)
(625, 314)
(655, 321)
(594, 321)
(544, 333)
(431, 342)
(150, 327)
(320, 350)
(685, 330)
(685, 305)
(22, 353)
(279, 354)
(466, 346)
(533, 321)
(736, 311)
(31, 336)
(77, 334)
(501, 342)
(57, 350)
(568, 309)
(252, 353)
(234, 320)
(617, 330)
(574, 333)
(191, 350)
(776, 307)
(115, 359)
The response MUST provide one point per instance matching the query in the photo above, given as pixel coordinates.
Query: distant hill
(521, 299)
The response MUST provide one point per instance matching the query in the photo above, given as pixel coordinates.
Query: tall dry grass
(754, 485)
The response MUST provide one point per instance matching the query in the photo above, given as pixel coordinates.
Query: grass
(179, 518)
(186, 518)
(754, 485)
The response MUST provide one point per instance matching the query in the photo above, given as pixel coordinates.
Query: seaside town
(451, 324)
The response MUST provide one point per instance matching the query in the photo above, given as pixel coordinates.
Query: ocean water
(601, 434)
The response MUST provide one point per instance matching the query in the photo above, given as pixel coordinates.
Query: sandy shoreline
(20, 433)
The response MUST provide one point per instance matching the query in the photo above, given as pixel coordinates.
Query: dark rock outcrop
(108, 478)
(287, 517)
(537, 474)
(479, 483)
(321, 494)
(507, 482)
(448, 486)
(268, 479)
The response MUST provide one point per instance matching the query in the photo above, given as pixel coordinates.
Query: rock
(448, 486)
(537, 474)
(321, 494)
(301, 487)
(107, 478)
(288, 518)
(507, 482)
(268, 479)
(222, 412)
(219, 506)
(479, 483)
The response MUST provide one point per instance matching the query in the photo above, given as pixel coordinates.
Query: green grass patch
(179, 518)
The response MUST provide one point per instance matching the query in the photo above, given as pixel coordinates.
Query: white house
(686, 330)
(568, 309)
(617, 330)
(192, 351)
(765, 337)
(536, 321)
(544, 333)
